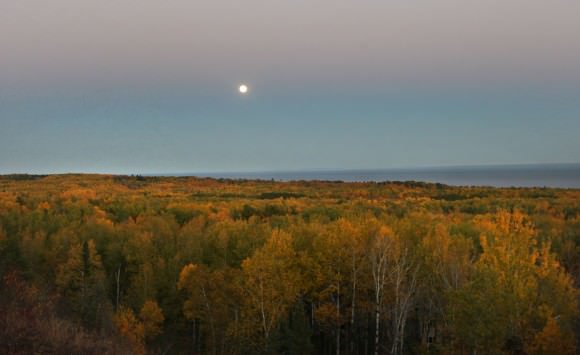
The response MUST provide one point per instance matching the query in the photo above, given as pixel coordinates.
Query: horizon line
(298, 170)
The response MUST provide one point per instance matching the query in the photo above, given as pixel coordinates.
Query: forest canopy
(99, 264)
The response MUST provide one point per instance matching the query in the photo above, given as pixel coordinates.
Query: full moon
(243, 89)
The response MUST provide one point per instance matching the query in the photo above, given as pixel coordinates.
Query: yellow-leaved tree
(131, 328)
(211, 303)
(272, 283)
(516, 288)
(152, 317)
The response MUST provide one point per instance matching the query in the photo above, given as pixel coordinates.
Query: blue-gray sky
(142, 86)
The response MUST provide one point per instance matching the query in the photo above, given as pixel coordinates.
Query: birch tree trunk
(378, 255)
(118, 277)
(404, 279)
(338, 319)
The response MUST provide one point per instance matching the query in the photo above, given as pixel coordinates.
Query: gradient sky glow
(143, 86)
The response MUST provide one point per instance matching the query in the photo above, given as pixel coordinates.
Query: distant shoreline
(521, 175)
(564, 175)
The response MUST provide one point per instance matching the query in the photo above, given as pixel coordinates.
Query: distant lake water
(533, 175)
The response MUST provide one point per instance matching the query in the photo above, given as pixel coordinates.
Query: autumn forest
(101, 264)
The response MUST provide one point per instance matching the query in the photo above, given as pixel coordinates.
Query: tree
(378, 254)
(152, 317)
(333, 255)
(272, 284)
(211, 298)
(516, 286)
(200, 302)
(403, 276)
(81, 279)
(552, 339)
(131, 328)
(446, 267)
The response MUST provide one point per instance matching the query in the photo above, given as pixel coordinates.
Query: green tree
(82, 281)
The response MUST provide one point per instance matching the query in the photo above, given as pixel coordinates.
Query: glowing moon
(243, 89)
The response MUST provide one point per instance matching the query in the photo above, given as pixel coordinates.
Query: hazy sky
(147, 86)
